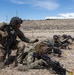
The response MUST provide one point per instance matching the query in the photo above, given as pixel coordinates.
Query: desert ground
(45, 29)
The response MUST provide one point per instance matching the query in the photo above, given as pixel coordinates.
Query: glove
(36, 40)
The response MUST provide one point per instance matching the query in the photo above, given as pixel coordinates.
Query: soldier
(32, 62)
(65, 41)
(61, 41)
(54, 46)
(39, 58)
(15, 23)
(56, 41)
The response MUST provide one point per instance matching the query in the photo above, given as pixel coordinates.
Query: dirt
(67, 59)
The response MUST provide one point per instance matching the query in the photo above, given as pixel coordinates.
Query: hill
(50, 24)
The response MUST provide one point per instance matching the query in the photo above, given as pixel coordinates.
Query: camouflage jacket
(18, 33)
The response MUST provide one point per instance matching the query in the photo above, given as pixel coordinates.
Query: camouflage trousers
(17, 45)
(34, 63)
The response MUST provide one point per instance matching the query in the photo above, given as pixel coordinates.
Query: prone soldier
(53, 47)
(39, 57)
(62, 41)
(65, 41)
(56, 41)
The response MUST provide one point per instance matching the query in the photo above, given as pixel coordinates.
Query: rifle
(10, 38)
(53, 64)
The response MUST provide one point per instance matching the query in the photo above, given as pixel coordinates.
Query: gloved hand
(34, 41)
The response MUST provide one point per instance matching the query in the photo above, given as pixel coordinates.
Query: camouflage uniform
(19, 45)
(54, 45)
(33, 62)
(56, 41)
(65, 41)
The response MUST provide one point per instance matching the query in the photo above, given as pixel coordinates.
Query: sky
(36, 9)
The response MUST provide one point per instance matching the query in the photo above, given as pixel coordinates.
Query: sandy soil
(67, 58)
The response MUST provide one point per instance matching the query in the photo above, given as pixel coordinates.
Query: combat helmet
(64, 36)
(55, 37)
(15, 21)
